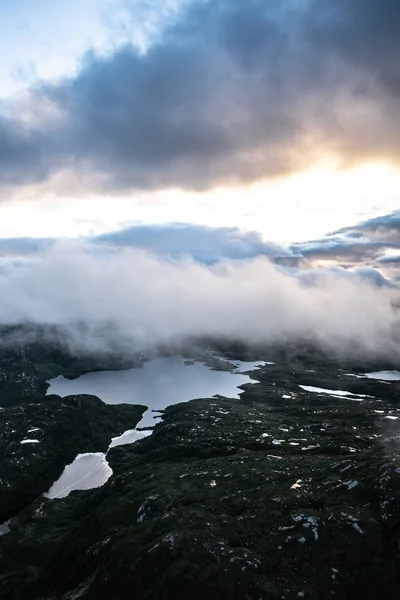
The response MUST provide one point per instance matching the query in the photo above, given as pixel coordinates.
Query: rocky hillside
(285, 493)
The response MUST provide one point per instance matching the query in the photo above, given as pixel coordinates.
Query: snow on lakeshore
(86, 472)
(343, 393)
(384, 375)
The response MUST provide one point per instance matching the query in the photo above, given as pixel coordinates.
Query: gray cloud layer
(201, 243)
(233, 91)
(363, 245)
(204, 244)
(360, 249)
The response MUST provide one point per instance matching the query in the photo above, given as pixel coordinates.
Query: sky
(203, 131)
(278, 116)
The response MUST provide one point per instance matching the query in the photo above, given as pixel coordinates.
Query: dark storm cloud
(345, 26)
(20, 150)
(232, 92)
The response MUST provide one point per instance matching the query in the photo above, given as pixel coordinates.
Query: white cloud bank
(151, 300)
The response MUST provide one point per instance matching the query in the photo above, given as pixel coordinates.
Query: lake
(157, 384)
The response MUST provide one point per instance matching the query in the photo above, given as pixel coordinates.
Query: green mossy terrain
(264, 497)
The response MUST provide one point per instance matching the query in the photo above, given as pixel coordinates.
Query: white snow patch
(5, 527)
(317, 390)
(86, 472)
(350, 484)
(384, 375)
(353, 375)
(247, 365)
(169, 539)
(296, 485)
(391, 417)
(308, 522)
(28, 441)
(352, 398)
